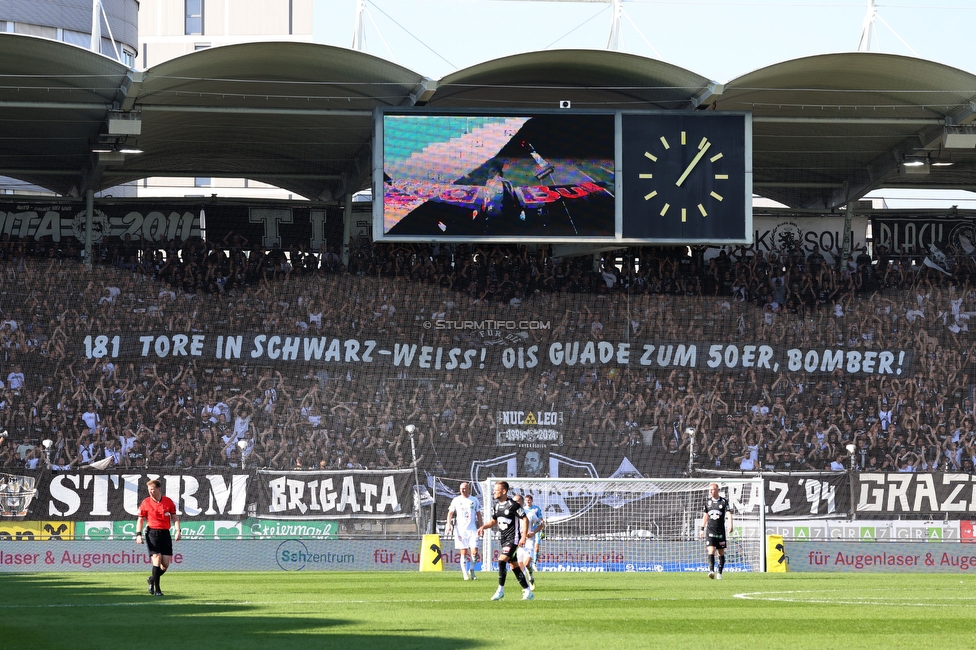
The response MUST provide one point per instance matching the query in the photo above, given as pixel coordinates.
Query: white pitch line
(767, 596)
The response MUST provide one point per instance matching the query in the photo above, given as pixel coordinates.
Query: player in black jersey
(513, 527)
(713, 529)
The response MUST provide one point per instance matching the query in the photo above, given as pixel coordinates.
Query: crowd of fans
(133, 413)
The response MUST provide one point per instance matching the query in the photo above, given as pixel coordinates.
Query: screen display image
(501, 177)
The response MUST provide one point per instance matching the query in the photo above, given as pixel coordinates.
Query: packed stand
(134, 414)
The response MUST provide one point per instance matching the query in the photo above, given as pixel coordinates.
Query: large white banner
(826, 232)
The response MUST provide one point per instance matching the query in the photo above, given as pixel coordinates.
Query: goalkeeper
(713, 529)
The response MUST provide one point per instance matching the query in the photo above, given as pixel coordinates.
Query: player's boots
(499, 594)
(718, 576)
(527, 594)
(152, 586)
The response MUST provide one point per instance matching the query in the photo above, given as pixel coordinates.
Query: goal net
(635, 524)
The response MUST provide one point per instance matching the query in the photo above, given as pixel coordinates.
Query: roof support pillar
(347, 228)
(89, 213)
(848, 217)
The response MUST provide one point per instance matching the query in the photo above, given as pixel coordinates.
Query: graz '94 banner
(802, 494)
(215, 494)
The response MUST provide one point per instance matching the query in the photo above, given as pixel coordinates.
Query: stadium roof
(826, 129)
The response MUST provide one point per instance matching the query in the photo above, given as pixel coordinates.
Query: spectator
(164, 410)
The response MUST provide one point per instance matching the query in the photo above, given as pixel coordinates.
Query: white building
(172, 28)
(115, 23)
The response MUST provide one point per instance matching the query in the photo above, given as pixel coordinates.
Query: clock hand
(691, 165)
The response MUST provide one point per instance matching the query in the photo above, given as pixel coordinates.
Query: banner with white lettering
(802, 494)
(84, 495)
(213, 494)
(285, 349)
(364, 494)
(920, 493)
(528, 428)
(917, 236)
(263, 223)
(227, 495)
(819, 495)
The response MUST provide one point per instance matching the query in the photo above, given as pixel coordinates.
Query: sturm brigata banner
(336, 495)
(218, 494)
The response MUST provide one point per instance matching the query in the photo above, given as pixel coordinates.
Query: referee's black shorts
(159, 541)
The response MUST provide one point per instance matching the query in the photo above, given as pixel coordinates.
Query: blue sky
(719, 39)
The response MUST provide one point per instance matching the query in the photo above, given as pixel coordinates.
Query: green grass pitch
(439, 611)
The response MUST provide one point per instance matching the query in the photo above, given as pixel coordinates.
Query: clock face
(685, 176)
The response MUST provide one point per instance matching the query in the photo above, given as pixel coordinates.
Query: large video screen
(502, 177)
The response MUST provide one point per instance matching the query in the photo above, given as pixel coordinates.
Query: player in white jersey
(464, 519)
(540, 519)
(527, 554)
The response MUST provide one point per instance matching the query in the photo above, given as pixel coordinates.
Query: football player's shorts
(526, 553)
(465, 539)
(509, 551)
(718, 541)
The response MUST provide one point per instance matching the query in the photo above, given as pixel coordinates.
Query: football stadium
(299, 346)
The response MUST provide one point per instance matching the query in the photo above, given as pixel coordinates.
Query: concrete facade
(70, 21)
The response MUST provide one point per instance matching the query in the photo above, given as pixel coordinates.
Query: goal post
(647, 524)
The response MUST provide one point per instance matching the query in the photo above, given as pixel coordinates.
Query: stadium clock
(685, 176)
